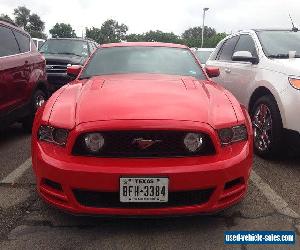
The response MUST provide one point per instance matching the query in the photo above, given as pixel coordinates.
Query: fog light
(193, 142)
(94, 142)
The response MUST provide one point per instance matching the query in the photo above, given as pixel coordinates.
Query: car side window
(216, 52)
(23, 41)
(246, 43)
(227, 49)
(92, 48)
(8, 43)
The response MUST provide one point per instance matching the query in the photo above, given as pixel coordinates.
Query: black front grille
(53, 66)
(120, 144)
(112, 199)
(56, 68)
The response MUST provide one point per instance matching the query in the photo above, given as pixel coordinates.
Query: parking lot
(272, 203)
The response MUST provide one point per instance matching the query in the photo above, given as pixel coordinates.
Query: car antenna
(295, 29)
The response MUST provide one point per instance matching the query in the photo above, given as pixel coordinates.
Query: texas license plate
(144, 189)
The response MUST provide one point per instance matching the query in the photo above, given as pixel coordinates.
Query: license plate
(144, 189)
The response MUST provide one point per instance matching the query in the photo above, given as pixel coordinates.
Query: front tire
(38, 99)
(267, 127)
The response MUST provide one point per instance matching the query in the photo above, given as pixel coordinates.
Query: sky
(166, 15)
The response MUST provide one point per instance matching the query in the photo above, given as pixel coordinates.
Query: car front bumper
(60, 176)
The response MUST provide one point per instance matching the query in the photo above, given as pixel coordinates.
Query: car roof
(12, 25)
(273, 30)
(143, 44)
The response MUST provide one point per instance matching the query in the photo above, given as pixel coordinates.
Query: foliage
(62, 30)
(154, 36)
(32, 23)
(6, 17)
(191, 37)
(135, 37)
(36, 27)
(159, 36)
(22, 15)
(110, 32)
(93, 33)
(196, 33)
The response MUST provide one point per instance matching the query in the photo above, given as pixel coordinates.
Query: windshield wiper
(283, 56)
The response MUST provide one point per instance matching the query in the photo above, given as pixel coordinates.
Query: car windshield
(278, 44)
(67, 46)
(151, 60)
(203, 55)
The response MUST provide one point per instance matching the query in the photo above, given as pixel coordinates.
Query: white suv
(262, 69)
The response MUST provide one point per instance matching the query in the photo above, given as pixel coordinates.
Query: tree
(159, 36)
(193, 36)
(214, 40)
(93, 33)
(135, 38)
(32, 23)
(112, 32)
(6, 17)
(36, 27)
(22, 15)
(154, 36)
(62, 30)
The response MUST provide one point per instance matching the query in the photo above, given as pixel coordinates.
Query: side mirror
(73, 70)
(244, 56)
(212, 71)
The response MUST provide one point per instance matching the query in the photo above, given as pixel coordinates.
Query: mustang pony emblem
(143, 143)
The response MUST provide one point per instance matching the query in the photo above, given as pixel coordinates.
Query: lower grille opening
(234, 183)
(52, 184)
(112, 199)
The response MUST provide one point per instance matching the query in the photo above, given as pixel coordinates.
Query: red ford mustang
(142, 131)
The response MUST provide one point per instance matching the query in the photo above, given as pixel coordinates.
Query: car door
(10, 70)
(240, 74)
(26, 65)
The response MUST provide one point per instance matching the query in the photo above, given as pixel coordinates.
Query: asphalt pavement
(272, 203)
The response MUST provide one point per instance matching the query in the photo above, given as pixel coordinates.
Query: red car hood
(142, 97)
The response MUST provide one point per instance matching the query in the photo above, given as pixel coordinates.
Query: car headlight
(234, 134)
(94, 142)
(295, 83)
(193, 142)
(50, 134)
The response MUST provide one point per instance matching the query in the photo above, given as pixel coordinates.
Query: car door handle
(227, 70)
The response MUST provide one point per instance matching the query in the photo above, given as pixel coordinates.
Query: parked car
(203, 54)
(262, 69)
(23, 85)
(142, 131)
(61, 52)
(38, 42)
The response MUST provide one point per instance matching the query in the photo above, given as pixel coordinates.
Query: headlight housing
(295, 83)
(233, 134)
(53, 135)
